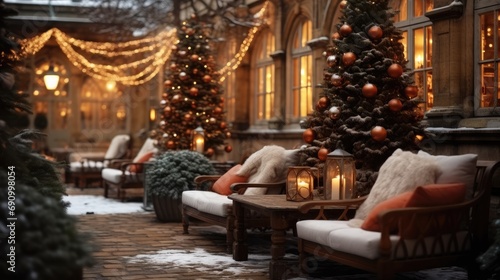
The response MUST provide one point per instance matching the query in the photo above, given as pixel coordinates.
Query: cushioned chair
(125, 178)
(264, 172)
(88, 167)
(403, 224)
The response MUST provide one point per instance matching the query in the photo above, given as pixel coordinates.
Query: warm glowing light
(152, 115)
(110, 85)
(51, 79)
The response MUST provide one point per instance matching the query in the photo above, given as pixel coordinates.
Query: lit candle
(336, 187)
(199, 145)
(303, 189)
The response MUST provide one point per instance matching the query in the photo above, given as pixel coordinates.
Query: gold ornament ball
(170, 145)
(395, 105)
(322, 154)
(395, 70)
(411, 91)
(212, 120)
(217, 110)
(228, 135)
(228, 149)
(349, 58)
(195, 57)
(182, 53)
(167, 83)
(308, 135)
(378, 133)
(176, 98)
(167, 110)
(369, 90)
(210, 152)
(345, 29)
(343, 4)
(375, 32)
(173, 66)
(188, 117)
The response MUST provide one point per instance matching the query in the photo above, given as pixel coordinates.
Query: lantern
(51, 78)
(198, 144)
(300, 183)
(339, 175)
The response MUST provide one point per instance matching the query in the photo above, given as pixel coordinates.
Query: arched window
(103, 109)
(302, 70)
(487, 57)
(264, 78)
(418, 44)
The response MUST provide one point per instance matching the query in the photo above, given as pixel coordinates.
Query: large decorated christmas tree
(369, 106)
(192, 95)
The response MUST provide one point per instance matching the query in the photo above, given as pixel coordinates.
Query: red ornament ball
(217, 110)
(375, 32)
(369, 90)
(223, 125)
(395, 70)
(195, 57)
(322, 154)
(395, 105)
(345, 29)
(167, 83)
(308, 135)
(207, 78)
(170, 145)
(349, 58)
(378, 133)
(411, 91)
(193, 91)
(335, 36)
(323, 102)
(210, 152)
(228, 149)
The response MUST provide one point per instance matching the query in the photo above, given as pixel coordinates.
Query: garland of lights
(153, 52)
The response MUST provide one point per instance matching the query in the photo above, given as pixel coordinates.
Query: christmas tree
(369, 106)
(193, 94)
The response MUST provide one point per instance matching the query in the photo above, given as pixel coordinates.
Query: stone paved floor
(118, 239)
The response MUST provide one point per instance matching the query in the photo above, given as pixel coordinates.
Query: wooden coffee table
(283, 216)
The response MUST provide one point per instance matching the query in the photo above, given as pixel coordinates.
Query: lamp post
(198, 144)
(339, 175)
(51, 78)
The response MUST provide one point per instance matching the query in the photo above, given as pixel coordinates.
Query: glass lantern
(198, 144)
(339, 175)
(300, 183)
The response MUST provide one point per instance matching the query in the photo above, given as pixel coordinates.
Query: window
(489, 57)
(230, 83)
(264, 89)
(102, 108)
(417, 33)
(302, 91)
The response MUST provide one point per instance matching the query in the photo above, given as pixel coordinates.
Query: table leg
(279, 225)
(240, 246)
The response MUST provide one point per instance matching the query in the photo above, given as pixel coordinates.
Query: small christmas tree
(193, 94)
(369, 106)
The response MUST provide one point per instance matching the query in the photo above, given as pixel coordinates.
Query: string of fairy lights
(111, 61)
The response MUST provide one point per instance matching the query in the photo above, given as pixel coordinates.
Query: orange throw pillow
(137, 168)
(223, 184)
(422, 196)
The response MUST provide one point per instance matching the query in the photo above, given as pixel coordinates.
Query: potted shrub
(169, 175)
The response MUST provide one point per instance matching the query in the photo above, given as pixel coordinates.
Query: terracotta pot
(167, 209)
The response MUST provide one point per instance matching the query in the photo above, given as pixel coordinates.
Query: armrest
(205, 179)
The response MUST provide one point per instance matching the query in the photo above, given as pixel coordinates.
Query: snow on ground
(93, 204)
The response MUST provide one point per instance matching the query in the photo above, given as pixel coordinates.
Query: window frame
(263, 61)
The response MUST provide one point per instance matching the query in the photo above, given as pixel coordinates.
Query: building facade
(275, 80)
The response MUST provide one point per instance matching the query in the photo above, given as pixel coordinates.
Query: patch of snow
(93, 204)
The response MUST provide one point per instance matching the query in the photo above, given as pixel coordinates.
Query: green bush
(174, 171)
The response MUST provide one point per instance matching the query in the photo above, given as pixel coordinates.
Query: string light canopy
(100, 60)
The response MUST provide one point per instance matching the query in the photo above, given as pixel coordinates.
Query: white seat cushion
(115, 176)
(88, 165)
(207, 202)
(341, 237)
(318, 230)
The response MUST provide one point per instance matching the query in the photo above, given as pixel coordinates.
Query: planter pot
(167, 209)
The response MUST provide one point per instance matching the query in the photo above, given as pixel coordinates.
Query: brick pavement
(117, 239)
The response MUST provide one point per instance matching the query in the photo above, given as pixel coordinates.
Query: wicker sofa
(444, 235)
